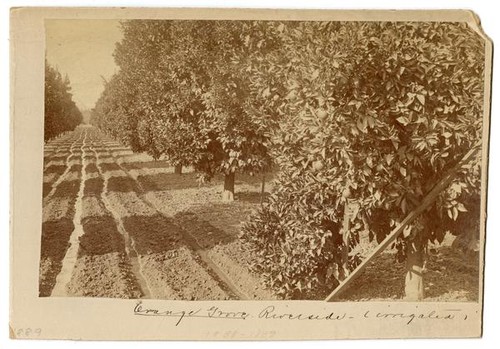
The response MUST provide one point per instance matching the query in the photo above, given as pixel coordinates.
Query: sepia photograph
(255, 160)
(230, 174)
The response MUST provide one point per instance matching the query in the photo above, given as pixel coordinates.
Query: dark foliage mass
(373, 114)
(61, 112)
(365, 112)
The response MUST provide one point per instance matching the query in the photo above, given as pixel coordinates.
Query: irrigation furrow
(69, 260)
(130, 249)
(51, 152)
(104, 237)
(203, 258)
(63, 176)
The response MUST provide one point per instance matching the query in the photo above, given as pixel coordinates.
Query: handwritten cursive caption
(272, 312)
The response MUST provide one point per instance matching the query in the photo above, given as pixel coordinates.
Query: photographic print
(263, 159)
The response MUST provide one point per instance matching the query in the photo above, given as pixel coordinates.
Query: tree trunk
(228, 193)
(178, 169)
(414, 283)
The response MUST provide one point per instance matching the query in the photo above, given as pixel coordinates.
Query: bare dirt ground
(121, 225)
(449, 275)
(118, 224)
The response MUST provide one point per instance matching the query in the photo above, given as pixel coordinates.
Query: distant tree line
(363, 114)
(61, 112)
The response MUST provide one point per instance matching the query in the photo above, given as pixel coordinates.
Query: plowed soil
(449, 275)
(137, 237)
(125, 226)
(55, 237)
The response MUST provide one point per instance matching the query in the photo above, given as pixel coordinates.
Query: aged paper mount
(100, 318)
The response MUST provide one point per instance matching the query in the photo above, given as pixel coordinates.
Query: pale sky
(83, 49)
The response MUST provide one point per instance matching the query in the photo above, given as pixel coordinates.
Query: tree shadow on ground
(448, 276)
(205, 234)
(251, 197)
(46, 189)
(67, 189)
(58, 169)
(54, 244)
(100, 236)
(122, 184)
(243, 178)
(135, 165)
(153, 234)
(172, 181)
(451, 273)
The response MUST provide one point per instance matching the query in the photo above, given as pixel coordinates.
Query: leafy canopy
(61, 112)
(372, 114)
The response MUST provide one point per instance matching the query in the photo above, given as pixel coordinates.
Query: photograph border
(62, 317)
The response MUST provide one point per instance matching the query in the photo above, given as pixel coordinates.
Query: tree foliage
(366, 113)
(61, 112)
(180, 93)
(375, 113)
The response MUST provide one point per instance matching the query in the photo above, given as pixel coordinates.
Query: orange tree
(185, 97)
(61, 112)
(110, 115)
(372, 114)
(210, 89)
(236, 138)
(125, 107)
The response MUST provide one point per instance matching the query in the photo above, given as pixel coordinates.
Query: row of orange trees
(61, 112)
(361, 112)
(183, 92)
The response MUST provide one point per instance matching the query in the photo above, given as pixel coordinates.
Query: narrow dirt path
(69, 260)
(101, 267)
(130, 249)
(62, 179)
